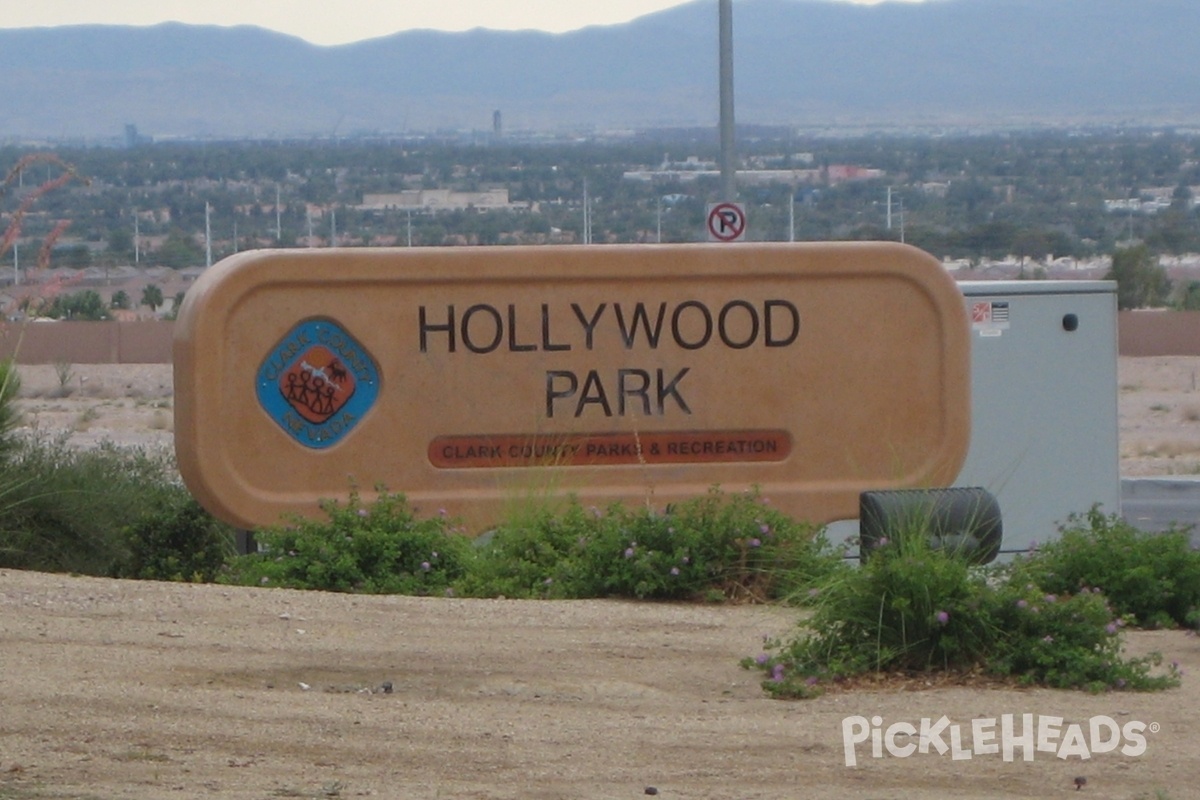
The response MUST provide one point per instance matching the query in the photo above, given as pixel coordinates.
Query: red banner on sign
(609, 449)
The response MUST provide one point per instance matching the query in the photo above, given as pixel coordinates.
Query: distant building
(132, 137)
(437, 200)
(831, 175)
(1151, 200)
(841, 173)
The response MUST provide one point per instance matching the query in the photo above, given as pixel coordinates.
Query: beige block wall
(1159, 333)
(1140, 333)
(147, 342)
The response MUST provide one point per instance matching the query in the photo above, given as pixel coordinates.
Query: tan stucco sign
(467, 377)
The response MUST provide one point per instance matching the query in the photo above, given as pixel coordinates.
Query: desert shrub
(907, 608)
(1153, 578)
(177, 541)
(1065, 641)
(373, 548)
(534, 554)
(717, 546)
(65, 510)
(911, 609)
(713, 547)
(10, 415)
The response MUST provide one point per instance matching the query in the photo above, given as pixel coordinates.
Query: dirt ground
(116, 689)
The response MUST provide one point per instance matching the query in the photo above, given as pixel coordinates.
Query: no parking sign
(726, 222)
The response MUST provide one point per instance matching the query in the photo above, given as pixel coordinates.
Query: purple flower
(674, 570)
(1048, 639)
(1120, 683)
(777, 673)
(883, 542)
(942, 617)
(425, 566)
(1050, 598)
(686, 560)
(362, 512)
(1111, 628)
(629, 552)
(755, 543)
(812, 680)
(764, 529)
(1022, 604)
(761, 659)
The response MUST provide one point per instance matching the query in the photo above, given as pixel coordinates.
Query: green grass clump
(67, 510)
(1152, 578)
(10, 415)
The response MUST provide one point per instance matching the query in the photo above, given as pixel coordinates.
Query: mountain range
(806, 63)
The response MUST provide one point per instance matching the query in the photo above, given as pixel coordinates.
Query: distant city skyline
(331, 23)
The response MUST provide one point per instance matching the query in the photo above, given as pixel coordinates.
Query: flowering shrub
(907, 608)
(1065, 641)
(714, 547)
(381, 548)
(911, 609)
(717, 546)
(1153, 578)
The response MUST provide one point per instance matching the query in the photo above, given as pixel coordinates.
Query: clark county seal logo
(317, 383)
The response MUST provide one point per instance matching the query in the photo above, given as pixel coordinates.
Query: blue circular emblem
(317, 383)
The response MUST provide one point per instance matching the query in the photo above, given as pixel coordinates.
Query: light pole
(728, 170)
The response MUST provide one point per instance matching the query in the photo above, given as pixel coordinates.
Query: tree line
(1031, 195)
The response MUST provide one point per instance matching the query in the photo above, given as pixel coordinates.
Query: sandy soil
(129, 404)
(1159, 411)
(114, 689)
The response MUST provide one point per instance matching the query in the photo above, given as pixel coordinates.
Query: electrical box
(1044, 431)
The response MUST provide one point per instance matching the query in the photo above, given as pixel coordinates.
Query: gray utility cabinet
(1044, 433)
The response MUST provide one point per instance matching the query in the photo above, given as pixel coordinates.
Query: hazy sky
(340, 21)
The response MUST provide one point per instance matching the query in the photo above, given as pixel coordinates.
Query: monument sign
(464, 377)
